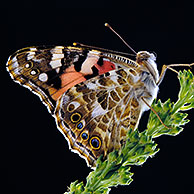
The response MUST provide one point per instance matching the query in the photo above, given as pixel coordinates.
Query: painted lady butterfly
(96, 96)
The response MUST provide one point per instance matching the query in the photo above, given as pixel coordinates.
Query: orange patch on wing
(68, 79)
(71, 77)
(106, 67)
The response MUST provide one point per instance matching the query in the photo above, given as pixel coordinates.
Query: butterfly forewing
(50, 71)
(40, 69)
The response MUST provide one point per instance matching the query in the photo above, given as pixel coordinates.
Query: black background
(35, 158)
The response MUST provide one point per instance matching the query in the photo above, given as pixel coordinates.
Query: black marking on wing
(95, 73)
(107, 74)
(80, 144)
(73, 134)
(63, 62)
(82, 58)
(90, 152)
(100, 61)
(66, 125)
(53, 79)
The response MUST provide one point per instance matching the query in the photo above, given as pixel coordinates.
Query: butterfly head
(148, 60)
(144, 55)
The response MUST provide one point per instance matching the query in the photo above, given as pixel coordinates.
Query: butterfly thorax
(149, 76)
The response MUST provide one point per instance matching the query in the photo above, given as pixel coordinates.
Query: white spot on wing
(91, 86)
(57, 56)
(33, 49)
(98, 110)
(75, 103)
(15, 64)
(30, 55)
(86, 67)
(17, 70)
(65, 100)
(55, 64)
(13, 60)
(38, 60)
(27, 65)
(57, 70)
(43, 77)
(94, 52)
(57, 50)
(33, 72)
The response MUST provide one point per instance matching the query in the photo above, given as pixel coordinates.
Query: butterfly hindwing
(95, 115)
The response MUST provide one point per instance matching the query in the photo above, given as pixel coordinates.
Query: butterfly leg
(165, 67)
(152, 109)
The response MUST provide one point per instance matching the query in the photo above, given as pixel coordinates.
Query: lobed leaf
(115, 170)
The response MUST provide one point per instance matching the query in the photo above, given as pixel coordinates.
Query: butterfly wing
(50, 71)
(95, 115)
(93, 94)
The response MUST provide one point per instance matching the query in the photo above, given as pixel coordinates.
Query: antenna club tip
(106, 24)
(74, 44)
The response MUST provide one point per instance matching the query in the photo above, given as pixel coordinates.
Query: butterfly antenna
(107, 25)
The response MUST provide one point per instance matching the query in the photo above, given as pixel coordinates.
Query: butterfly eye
(95, 143)
(84, 136)
(75, 117)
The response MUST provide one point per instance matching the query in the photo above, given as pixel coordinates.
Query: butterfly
(95, 95)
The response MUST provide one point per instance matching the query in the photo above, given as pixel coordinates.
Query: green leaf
(115, 170)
